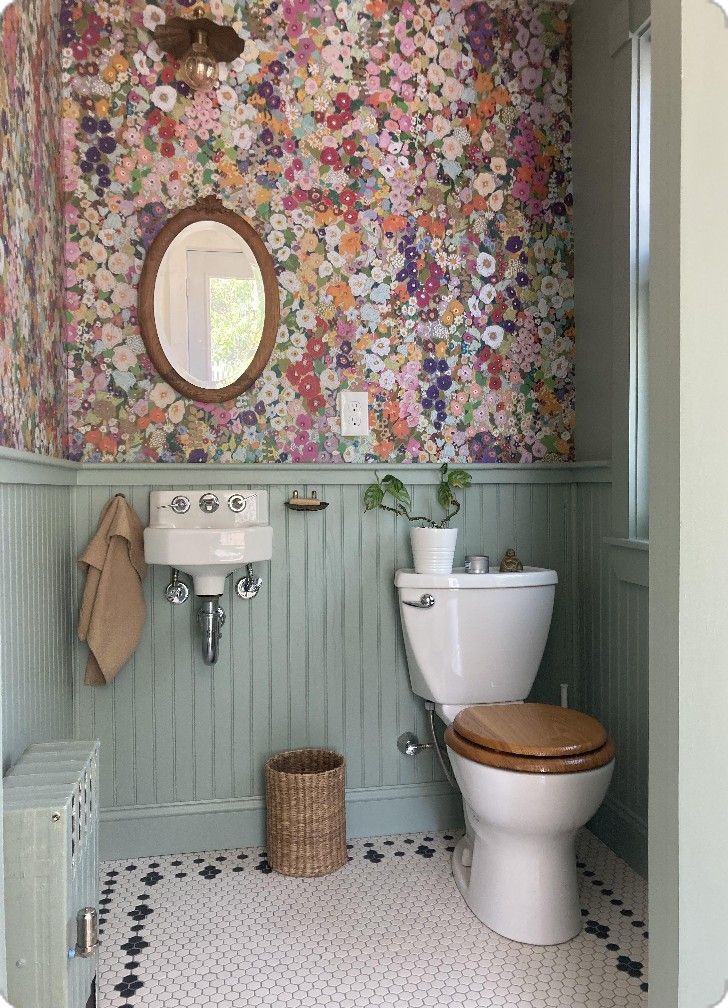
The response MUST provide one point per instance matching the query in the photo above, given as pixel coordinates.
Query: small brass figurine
(510, 562)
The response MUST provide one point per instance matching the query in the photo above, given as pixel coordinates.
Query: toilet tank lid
(529, 577)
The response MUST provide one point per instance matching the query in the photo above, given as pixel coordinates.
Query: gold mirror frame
(208, 209)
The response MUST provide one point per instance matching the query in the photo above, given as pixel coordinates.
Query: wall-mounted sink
(207, 534)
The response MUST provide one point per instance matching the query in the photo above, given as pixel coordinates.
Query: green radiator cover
(51, 872)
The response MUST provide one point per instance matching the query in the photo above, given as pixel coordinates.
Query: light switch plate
(354, 413)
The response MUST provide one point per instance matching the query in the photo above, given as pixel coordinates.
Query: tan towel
(113, 610)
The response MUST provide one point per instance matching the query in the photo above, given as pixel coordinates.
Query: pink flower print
(71, 252)
(536, 51)
(539, 114)
(531, 78)
(520, 60)
(305, 50)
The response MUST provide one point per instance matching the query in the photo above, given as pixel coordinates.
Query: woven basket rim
(341, 762)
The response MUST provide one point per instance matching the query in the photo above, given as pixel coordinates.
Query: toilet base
(523, 888)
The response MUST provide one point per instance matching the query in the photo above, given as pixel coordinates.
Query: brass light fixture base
(177, 35)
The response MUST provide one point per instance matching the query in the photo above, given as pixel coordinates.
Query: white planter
(433, 549)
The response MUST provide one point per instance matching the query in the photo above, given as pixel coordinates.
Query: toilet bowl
(531, 775)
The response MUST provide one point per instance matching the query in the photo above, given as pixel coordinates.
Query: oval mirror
(208, 303)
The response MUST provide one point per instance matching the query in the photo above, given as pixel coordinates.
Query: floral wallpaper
(32, 366)
(408, 167)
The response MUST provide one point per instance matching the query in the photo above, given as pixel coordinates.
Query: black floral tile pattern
(388, 929)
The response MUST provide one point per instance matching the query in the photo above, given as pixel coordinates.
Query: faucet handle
(209, 503)
(179, 504)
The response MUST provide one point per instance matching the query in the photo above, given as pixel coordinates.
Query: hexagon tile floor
(389, 929)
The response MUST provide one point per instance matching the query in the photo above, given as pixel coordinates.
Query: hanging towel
(113, 610)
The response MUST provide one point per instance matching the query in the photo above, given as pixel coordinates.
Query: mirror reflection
(209, 304)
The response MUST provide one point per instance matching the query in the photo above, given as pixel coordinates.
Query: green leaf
(444, 497)
(373, 497)
(396, 488)
(459, 478)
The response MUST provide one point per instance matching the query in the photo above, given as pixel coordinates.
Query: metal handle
(426, 602)
(209, 503)
(176, 591)
(248, 587)
(87, 932)
(237, 503)
(179, 504)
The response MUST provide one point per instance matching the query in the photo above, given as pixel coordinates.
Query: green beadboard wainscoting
(611, 645)
(317, 658)
(36, 621)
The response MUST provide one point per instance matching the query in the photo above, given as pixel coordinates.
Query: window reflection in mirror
(209, 304)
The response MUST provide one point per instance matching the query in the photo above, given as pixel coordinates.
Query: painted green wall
(611, 643)
(612, 625)
(36, 556)
(35, 618)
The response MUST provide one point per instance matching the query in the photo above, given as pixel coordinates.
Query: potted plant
(433, 542)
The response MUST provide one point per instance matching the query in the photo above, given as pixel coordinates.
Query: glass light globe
(199, 66)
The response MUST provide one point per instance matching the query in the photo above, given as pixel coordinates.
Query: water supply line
(444, 763)
(409, 745)
(210, 618)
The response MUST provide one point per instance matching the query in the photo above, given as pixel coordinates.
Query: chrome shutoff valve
(248, 586)
(176, 591)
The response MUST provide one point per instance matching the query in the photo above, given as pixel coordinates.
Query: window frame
(639, 284)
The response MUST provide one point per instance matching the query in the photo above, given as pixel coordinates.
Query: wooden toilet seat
(530, 738)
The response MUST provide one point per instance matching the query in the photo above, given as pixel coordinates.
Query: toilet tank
(483, 639)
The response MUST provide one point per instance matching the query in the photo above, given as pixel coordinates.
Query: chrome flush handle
(426, 602)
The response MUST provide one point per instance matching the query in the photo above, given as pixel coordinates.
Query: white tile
(388, 929)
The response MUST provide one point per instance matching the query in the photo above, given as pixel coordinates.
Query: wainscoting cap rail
(341, 474)
(25, 467)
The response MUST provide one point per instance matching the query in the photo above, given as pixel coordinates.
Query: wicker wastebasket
(305, 812)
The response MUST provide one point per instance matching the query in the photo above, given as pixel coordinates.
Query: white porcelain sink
(208, 534)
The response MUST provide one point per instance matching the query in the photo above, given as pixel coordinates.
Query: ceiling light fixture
(200, 44)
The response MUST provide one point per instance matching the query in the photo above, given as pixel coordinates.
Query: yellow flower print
(70, 108)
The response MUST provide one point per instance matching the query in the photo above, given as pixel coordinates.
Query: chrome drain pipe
(210, 618)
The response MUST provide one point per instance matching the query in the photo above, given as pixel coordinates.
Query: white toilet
(531, 774)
